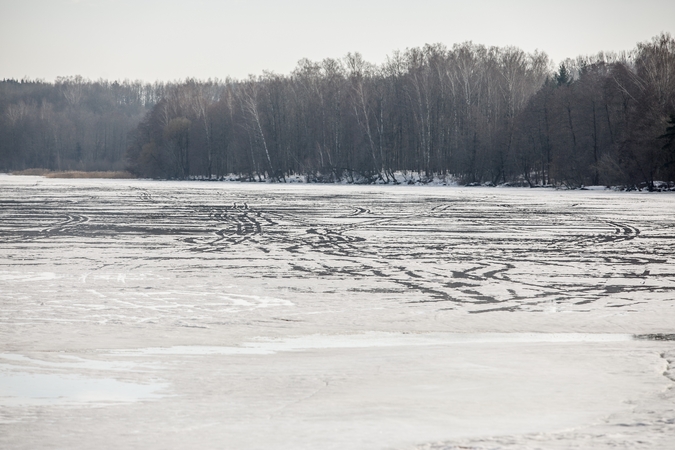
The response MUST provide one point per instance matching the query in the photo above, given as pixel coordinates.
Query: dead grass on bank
(75, 174)
(78, 174)
(34, 172)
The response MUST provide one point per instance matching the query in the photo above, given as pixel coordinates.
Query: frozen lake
(143, 314)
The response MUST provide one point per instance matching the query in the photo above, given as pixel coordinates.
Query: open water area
(160, 314)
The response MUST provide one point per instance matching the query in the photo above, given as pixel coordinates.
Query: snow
(143, 314)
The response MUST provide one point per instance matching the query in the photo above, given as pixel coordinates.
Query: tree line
(71, 124)
(477, 114)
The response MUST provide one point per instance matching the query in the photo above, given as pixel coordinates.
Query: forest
(469, 113)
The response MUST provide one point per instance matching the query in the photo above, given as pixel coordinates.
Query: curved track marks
(456, 250)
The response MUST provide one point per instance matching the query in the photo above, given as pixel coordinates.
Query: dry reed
(81, 174)
(74, 173)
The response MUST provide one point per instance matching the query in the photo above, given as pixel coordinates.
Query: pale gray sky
(171, 39)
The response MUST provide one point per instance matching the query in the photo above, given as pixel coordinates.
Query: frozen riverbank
(333, 316)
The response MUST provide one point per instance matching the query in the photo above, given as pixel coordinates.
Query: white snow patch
(264, 346)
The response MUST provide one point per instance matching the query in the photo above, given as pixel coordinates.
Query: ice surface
(18, 388)
(253, 316)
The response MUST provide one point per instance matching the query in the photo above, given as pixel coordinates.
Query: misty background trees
(479, 114)
(70, 124)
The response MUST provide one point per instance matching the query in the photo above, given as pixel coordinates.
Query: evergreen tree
(563, 76)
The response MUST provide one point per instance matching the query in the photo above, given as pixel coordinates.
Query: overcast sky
(174, 39)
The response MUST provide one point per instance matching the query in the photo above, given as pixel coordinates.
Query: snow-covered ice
(143, 314)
